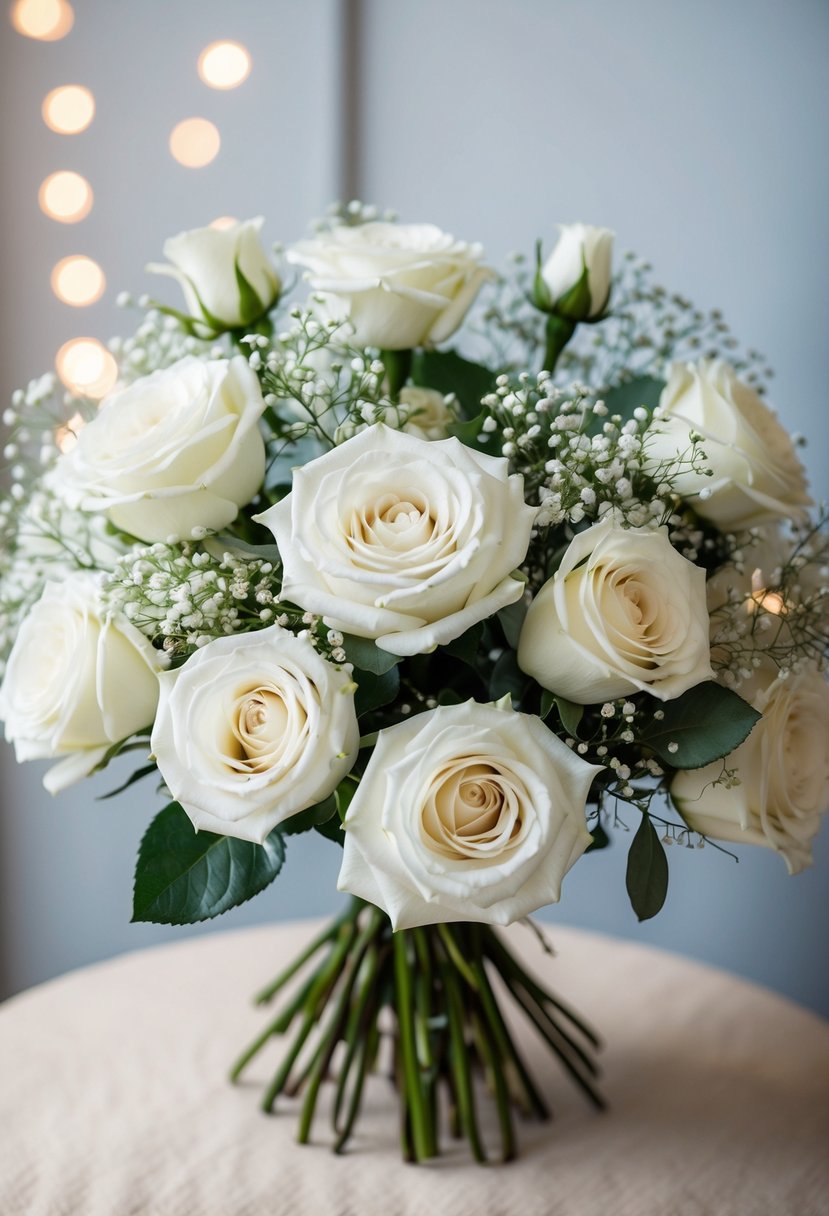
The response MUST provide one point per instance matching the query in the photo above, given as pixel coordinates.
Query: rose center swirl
(472, 810)
(258, 725)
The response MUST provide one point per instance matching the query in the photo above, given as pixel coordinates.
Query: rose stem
(422, 1132)
(324, 979)
(290, 971)
(398, 365)
(458, 1060)
(331, 1035)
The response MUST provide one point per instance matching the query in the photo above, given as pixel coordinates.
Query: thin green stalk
(310, 950)
(542, 1024)
(459, 1062)
(493, 1063)
(331, 1035)
(423, 1135)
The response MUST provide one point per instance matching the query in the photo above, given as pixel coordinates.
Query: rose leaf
(647, 871)
(183, 876)
(703, 725)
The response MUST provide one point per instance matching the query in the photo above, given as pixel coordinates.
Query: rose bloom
(252, 729)
(176, 450)
(783, 772)
(76, 682)
(623, 613)
(429, 413)
(581, 247)
(403, 540)
(400, 285)
(756, 473)
(228, 279)
(465, 813)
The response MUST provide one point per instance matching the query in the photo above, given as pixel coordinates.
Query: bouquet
(467, 612)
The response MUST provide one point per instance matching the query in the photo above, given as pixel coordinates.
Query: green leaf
(363, 653)
(138, 775)
(311, 817)
(507, 677)
(375, 690)
(570, 715)
(449, 372)
(466, 646)
(332, 830)
(600, 839)
(647, 871)
(469, 432)
(706, 723)
(547, 702)
(183, 876)
(512, 620)
(625, 398)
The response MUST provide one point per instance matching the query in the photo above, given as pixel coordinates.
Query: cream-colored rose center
(392, 522)
(473, 809)
(258, 727)
(636, 617)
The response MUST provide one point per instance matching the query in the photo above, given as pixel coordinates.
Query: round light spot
(85, 366)
(195, 142)
(65, 196)
(47, 20)
(78, 280)
(68, 109)
(224, 65)
(222, 222)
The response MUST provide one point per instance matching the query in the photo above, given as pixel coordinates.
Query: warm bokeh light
(65, 196)
(47, 20)
(85, 366)
(194, 142)
(68, 109)
(66, 436)
(78, 280)
(222, 222)
(769, 601)
(224, 65)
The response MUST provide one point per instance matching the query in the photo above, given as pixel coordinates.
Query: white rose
(756, 473)
(580, 248)
(403, 540)
(623, 613)
(783, 772)
(76, 682)
(400, 285)
(176, 450)
(429, 414)
(252, 729)
(228, 280)
(466, 813)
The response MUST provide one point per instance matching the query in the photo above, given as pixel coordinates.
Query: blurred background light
(85, 366)
(224, 65)
(68, 109)
(78, 280)
(47, 20)
(223, 221)
(65, 196)
(195, 142)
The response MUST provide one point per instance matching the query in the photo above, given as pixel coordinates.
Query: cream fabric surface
(113, 1099)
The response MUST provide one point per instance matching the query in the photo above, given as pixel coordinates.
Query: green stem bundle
(449, 1030)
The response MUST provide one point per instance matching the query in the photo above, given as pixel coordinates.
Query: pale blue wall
(697, 131)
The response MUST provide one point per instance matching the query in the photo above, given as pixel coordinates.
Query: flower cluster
(452, 612)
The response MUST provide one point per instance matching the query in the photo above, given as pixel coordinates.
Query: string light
(66, 436)
(222, 222)
(86, 367)
(224, 65)
(65, 196)
(195, 142)
(46, 20)
(68, 109)
(78, 280)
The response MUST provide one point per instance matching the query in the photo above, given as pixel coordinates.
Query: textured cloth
(113, 1098)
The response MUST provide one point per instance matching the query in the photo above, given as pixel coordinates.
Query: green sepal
(540, 295)
(251, 307)
(575, 304)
